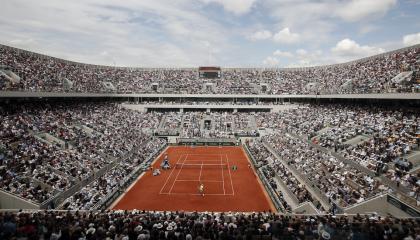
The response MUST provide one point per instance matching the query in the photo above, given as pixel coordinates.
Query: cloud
(237, 7)
(356, 10)
(318, 21)
(282, 36)
(411, 39)
(368, 28)
(271, 61)
(280, 53)
(301, 52)
(22, 42)
(165, 33)
(132, 33)
(305, 58)
(345, 50)
(261, 35)
(300, 58)
(286, 36)
(348, 48)
(312, 19)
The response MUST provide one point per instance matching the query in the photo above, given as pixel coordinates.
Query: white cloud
(311, 19)
(261, 35)
(368, 28)
(318, 20)
(286, 36)
(356, 10)
(280, 53)
(348, 48)
(237, 7)
(305, 58)
(411, 39)
(271, 61)
(301, 52)
(300, 58)
(283, 36)
(145, 33)
(183, 32)
(23, 42)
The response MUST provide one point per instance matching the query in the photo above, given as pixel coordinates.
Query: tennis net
(200, 166)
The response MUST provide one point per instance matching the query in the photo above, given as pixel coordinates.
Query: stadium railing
(402, 204)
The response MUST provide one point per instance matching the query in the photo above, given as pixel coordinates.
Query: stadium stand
(179, 225)
(389, 72)
(38, 169)
(319, 161)
(49, 149)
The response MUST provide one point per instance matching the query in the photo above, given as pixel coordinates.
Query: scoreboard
(210, 72)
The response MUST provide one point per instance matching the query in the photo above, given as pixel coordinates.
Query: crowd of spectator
(389, 136)
(342, 184)
(273, 168)
(46, 149)
(379, 139)
(42, 73)
(207, 125)
(171, 124)
(91, 196)
(209, 101)
(86, 137)
(126, 225)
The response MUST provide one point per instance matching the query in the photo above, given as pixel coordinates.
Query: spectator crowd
(378, 139)
(274, 168)
(127, 225)
(46, 149)
(371, 75)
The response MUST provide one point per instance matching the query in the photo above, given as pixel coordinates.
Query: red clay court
(225, 189)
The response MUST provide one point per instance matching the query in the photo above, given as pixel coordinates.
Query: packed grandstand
(327, 169)
(388, 72)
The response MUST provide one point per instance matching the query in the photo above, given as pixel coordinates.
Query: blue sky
(227, 33)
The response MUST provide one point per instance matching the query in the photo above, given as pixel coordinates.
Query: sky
(227, 33)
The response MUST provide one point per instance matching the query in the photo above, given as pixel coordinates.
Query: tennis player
(165, 163)
(201, 189)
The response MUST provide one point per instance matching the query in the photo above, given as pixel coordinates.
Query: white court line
(135, 182)
(230, 174)
(192, 180)
(173, 184)
(201, 170)
(171, 173)
(216, 160)
(204, 154)
(198, 194)
(223, 175)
